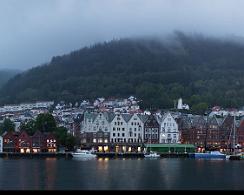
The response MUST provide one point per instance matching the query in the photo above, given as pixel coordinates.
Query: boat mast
(234, 134)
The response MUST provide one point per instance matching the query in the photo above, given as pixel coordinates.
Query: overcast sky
(32, 31)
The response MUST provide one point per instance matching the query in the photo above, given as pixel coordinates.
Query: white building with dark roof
(169, 132)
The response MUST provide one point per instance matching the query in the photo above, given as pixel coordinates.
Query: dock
(35, 155)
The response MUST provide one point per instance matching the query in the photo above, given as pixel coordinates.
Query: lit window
(94, 140)
(48, 140)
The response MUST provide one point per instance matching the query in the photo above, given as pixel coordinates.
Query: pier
(35, 155)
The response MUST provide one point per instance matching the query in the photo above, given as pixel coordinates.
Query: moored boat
(152, 155)
(209, 155)
(83, 154)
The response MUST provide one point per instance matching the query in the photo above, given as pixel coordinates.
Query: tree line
(204, 71)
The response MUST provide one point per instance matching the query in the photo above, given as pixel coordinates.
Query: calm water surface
(121, 174)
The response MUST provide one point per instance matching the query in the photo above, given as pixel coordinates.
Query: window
(123, 129)
(114, 123)
(164, 124)
(123, 134)
(135, 134)
(134, 129)
(175, 136)
(94, 140)
(169, 135)
(114, 134)
(121, 123)
(113, 128)
(132, 123)
(118, 134)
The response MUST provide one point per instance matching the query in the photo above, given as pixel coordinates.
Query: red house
(9, 141)
(50, 143)
(24, 143)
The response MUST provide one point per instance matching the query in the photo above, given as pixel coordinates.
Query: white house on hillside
(169, 132)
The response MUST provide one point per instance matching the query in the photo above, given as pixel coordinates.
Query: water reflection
(120, 174)
(50, 171)
(84, 158)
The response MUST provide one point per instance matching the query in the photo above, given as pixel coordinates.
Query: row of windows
(135, 123)
(153, 130)
(163, 141)
(94, 128)
(118, 129)
(118, 123)
(123, 134)
(168, 130)
(169, 135)
(153, 136)
(123, 140)
(169, 124)
(100, 140)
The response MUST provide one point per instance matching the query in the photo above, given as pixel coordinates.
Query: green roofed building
(171, 148)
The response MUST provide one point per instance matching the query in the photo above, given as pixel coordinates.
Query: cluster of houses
(104, 131)
(21, 142)
(108, 131)
(120, 125)
(211, 132)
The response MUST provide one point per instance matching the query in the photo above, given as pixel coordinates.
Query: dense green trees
(7, 125)
(196, 68)
(46, 123)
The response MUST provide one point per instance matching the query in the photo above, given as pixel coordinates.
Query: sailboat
(151, 153)
(234, 156)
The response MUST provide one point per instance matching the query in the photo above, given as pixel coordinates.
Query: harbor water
(120, 174)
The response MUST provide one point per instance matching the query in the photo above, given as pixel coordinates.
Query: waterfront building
(9, 141)
(136, 128)
(119, 128)
(172, 148)
(23, 143)
(151, 130)
(169, 132)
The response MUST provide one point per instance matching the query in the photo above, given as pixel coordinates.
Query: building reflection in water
(50, 171)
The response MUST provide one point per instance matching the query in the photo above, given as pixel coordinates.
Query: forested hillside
(203, 71)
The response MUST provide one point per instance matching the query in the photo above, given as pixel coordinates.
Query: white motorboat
(83, 154)
(152, 155)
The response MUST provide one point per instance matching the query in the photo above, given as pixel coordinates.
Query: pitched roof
(126, 117)
(143, 117)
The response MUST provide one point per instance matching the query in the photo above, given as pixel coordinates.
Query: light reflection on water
(107, 173)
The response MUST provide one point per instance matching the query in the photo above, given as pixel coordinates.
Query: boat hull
(207, 156)
(78, 155)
